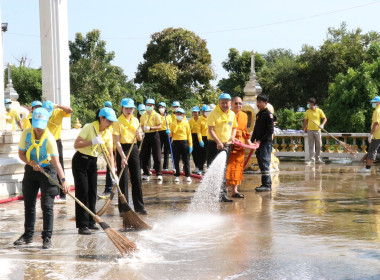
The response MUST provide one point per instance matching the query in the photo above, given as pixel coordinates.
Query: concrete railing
(296, 145)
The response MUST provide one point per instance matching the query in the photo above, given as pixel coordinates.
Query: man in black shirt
(262, 134)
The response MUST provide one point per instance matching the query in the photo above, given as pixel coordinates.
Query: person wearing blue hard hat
(126, 133)
(312, 126)
(175, 106)
(84, 165)
(150, 121)
(12, 116)
(182, 144)
(108, 104)
(202, 131)
(56, 115)
(197, 149)
(164, 132)
(221, 132)
(38, 149)
(374, 136)
(27, 122)
(141, 110)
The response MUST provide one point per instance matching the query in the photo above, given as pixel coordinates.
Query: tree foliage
(289, 119)
(177, 65)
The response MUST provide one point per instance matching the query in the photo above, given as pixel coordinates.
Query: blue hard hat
(40, 118)
(206, 108)
(150, 101)
(36, 103)
(376, 99)
(176, 104)
(162, 104)
(108, 104)
(7, 100)
(128, 103)
(180, 110)
(141, 107)
(109, 113)
(49, 106)
(225, 96)
(195, 109)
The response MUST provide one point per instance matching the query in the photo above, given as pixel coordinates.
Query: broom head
(348, 148)
(130, 219)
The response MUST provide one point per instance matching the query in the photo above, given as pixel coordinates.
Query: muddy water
(319, 222)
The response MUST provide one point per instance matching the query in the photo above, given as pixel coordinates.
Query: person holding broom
(126, 131)
(235, 165)
(38, 149)
(202, 130)
(84, 165)
(164, 132)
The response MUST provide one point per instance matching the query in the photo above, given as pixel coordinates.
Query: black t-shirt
(263, 126)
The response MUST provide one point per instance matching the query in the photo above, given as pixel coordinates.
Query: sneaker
(46, 243)
(364, 170)
(309, 162)
(93, 226)
(105, 195)
(23, 240)
(145, 177)
(195, 171)
(319, 161)
(150, 173)
(142, 212)
(166, 169)
(176, 179)
(188, 179)
(84, 231)
(60, 200)
(200, 172)
(159, 178)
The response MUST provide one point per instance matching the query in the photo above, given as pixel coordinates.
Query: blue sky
(243, 24)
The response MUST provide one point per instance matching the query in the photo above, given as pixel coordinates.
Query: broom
(130, 218)
(121, 242)
(108, 202)
(345, 146)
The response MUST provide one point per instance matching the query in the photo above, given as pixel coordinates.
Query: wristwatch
(63, 179)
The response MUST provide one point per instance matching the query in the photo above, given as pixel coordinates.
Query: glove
(97, 140)
(168, 131)
(321, 126)
(190, 150)
(115, 181)
(146, 128)
(370, 138)
(202, 144)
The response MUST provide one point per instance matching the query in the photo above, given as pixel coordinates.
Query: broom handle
(145, 132)
(336, 139)
(170, 144)
(73, 197)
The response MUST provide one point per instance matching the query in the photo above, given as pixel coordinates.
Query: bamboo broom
(121, 242)
(130, 218)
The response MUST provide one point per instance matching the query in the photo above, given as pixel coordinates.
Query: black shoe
(263, 189)
(93, 226)
(84, 231)
(23, 240)
(142, 212)
(46, 243)
(224, 198)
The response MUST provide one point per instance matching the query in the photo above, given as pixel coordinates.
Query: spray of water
(206, 198)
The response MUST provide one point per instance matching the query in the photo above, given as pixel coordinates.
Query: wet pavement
(319, 222)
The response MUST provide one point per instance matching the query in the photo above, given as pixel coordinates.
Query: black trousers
(212, 152)
(197, 151)
(31, 183)
(164, 139)
(181, 150)
(60, 152)
(85, 179)
(151, 145)
(203, 154)
(135, 173)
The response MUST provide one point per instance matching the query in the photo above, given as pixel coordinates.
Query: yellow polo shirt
(316, 116)
(193, 125)
(55, 122)
(126, 129)
(223, 124)
(11, 118)
(163, 122)
(376, 118)
(202, 128)
(27, 122)
(88, 133)
(181, 131)
(154, 120)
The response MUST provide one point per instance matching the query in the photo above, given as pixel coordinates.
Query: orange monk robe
(235, 166)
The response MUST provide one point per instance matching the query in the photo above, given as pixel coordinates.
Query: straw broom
(121, 242)
(345, 146)
(130, 218)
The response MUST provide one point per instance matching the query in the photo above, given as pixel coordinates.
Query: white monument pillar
(55, 53)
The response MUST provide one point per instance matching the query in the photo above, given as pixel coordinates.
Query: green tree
(177, 64)
(289, 119)
(93, 79)
(238, 67)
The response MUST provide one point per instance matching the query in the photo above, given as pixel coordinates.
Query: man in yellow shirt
(374, 136)
(12, 116)
(150, 121)
(221, 130)
(27, 122)
(312, 125)
(56, 114)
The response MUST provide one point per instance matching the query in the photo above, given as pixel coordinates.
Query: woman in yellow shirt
(182, 143)
(194, 130)
(84, 165)
(164, 133)
(202, 130)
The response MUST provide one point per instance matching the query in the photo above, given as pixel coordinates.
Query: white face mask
(162, 110)
(179, 118)
(308, 105)
(207, 113)
(374, 105)
(7, 106)
(141, 112)
(149, 108)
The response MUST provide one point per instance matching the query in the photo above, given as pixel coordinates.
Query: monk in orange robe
(235, 166)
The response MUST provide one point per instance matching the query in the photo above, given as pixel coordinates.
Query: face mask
(141, 112)
(7, 106)
(162, 110)
(308, 105)
(374, 105)
(149, 108)
(179, 118)
(207, 113)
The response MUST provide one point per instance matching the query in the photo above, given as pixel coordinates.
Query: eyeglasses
(238, 103)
